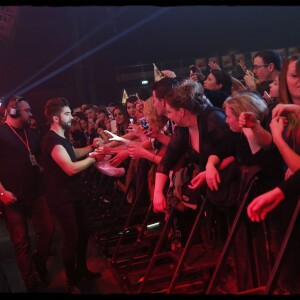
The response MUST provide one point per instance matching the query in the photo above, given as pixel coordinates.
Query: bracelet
(255, 127)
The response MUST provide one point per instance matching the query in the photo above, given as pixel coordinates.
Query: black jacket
(212, 130)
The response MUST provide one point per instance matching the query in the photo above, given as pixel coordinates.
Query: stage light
(144, 82)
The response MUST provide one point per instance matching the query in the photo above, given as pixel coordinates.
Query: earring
(188, 123)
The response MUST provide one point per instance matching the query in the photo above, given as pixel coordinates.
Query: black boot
(41, 268)
(31, 285)
(32, 289)
(73, 289)
(73, 279)
(85, 274)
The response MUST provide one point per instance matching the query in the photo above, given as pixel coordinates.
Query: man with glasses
(266, 66)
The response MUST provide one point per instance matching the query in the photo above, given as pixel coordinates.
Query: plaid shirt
(169, 128)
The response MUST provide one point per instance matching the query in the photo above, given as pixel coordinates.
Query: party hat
(125, 96)
(158, 75)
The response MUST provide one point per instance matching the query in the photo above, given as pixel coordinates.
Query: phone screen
(144, 123)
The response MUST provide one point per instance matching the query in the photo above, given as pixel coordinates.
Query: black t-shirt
(290, 186)
(212, 131)
(270, 161)
(17, 174)
(60, 188)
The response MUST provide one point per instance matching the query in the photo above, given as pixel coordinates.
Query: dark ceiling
(101, 39)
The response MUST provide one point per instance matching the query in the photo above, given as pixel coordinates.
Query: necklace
(26, 143)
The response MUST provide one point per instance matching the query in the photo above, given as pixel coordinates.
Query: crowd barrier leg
(115, 221)
(186, 248)
(139, 238)
(126, 226)
(158, 247)
(230, 239)
(270, 285)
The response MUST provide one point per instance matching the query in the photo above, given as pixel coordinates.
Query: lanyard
(26, 143)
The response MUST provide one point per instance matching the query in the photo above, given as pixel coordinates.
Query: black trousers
(73, 221)
(15, 216)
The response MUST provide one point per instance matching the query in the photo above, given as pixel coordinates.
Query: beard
(25, 123)
(65, 125)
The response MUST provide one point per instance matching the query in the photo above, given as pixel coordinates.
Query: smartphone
(144, 123)
(267, 97)
(113, 124)
(109, 113)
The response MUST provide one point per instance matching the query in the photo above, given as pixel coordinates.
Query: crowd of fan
(248, 118)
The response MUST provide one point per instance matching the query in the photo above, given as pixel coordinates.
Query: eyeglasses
(255, 67)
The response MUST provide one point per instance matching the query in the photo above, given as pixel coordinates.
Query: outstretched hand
(263, 204)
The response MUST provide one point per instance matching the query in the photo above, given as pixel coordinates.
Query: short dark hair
(79, 114)
(102, 109)
(144, 93)
(163, 86)
(54, 107)
(270, 57)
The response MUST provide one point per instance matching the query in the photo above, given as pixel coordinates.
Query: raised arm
(262, 136)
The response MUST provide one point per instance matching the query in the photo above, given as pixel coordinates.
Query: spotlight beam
(63, 54)
(100, 47)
